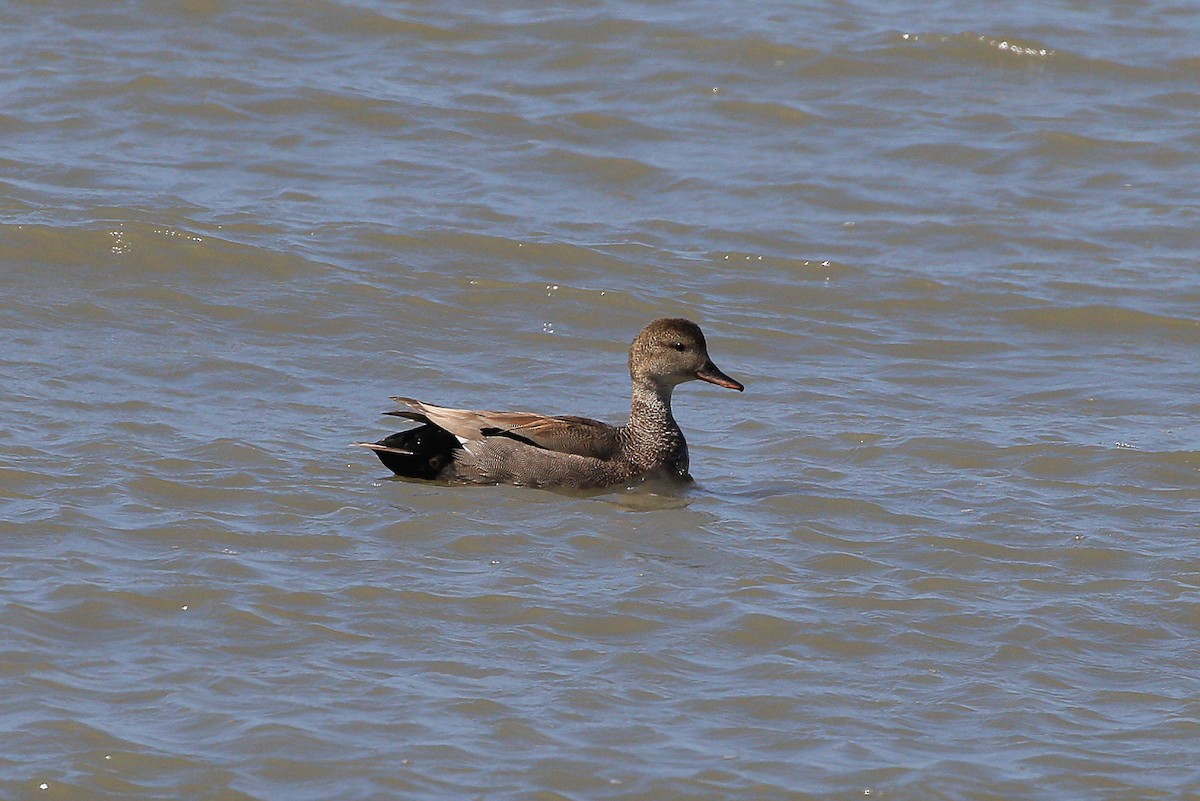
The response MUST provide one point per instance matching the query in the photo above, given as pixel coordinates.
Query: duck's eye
(679, 346)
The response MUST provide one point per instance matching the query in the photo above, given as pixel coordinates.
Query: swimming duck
(532, 450)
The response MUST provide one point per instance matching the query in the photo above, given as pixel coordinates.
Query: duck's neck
(652, 430)
(651, 407)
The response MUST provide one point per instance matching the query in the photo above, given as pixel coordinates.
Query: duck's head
(672, 350)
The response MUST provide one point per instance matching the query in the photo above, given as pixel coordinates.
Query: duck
(526, 449)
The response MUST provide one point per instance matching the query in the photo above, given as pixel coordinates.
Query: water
(944, 546)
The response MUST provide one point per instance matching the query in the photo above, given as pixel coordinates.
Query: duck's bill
(712, 375)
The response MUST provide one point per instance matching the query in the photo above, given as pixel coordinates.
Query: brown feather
(582, 436)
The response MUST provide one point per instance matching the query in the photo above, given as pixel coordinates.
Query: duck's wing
(578, 435)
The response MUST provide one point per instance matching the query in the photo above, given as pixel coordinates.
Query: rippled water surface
(944, 546)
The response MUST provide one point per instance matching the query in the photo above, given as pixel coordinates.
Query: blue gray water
(944, 546)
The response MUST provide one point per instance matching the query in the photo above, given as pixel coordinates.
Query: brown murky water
(944, 546)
